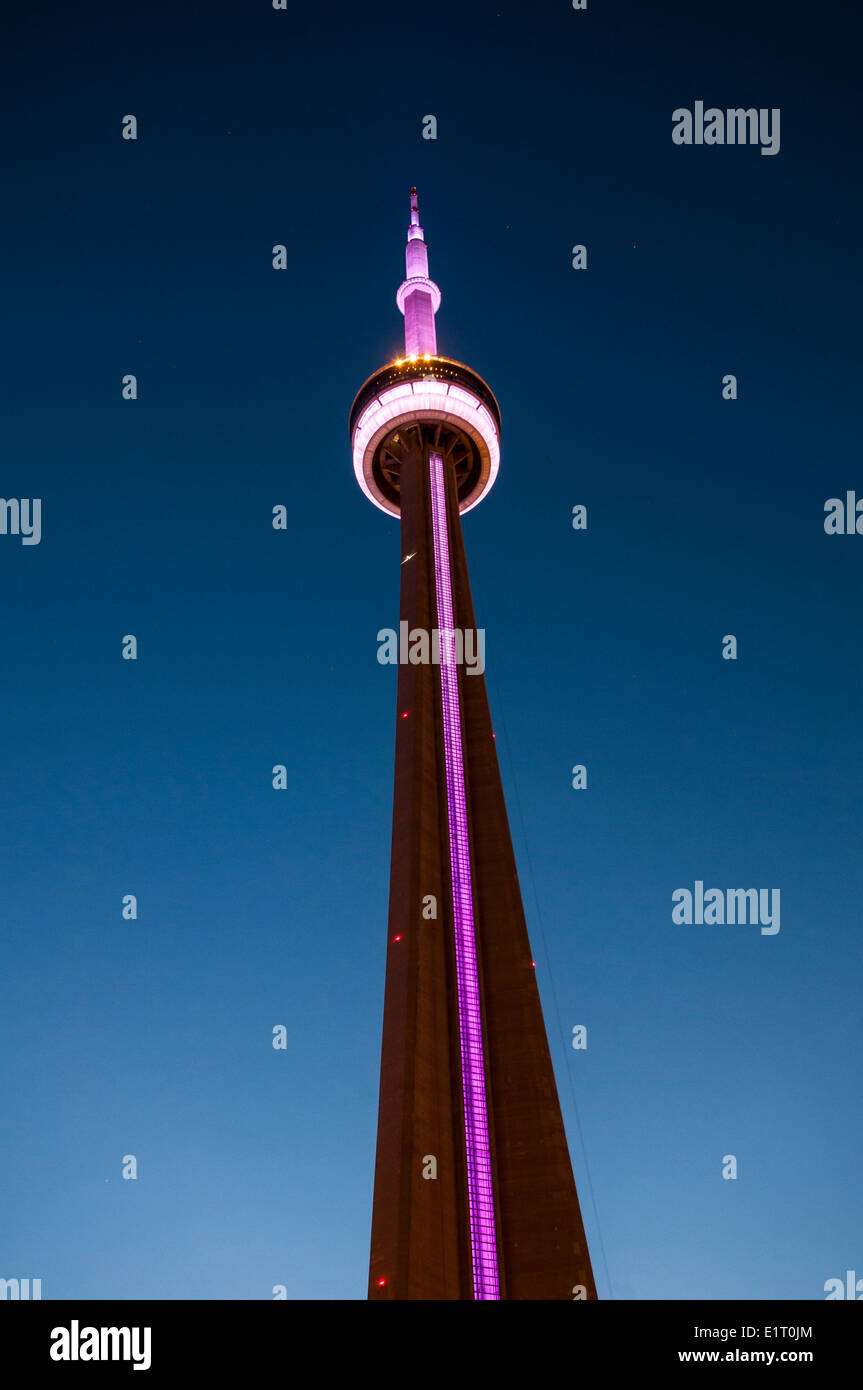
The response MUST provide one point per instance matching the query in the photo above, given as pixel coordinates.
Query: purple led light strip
(483, 1237)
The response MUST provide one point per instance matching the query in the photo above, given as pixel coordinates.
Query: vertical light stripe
(483, 1237)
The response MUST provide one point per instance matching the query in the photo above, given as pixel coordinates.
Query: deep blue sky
(258, 647)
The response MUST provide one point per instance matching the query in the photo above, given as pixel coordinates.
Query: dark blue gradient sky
(258, 647)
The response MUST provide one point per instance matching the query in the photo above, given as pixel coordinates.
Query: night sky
(257, 647)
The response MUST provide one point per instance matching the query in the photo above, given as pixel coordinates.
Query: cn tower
(474, 1194)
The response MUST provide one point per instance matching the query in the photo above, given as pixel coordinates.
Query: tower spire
(418, 297)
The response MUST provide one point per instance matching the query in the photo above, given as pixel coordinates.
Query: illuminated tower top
(423, 391)
(418, 297)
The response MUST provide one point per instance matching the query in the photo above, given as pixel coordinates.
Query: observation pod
(433, 401)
